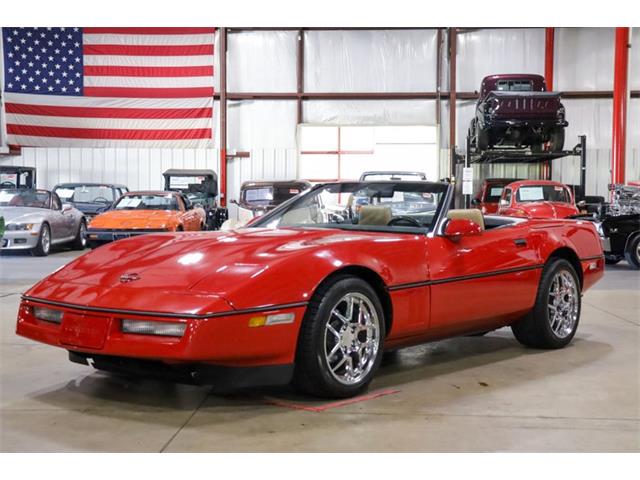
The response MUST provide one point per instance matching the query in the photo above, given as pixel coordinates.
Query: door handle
(520, 242)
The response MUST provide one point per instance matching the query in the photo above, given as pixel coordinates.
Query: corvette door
(482, 278)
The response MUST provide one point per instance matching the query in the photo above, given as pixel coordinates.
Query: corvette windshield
(24, 198)
(361, 206)
(147, 202)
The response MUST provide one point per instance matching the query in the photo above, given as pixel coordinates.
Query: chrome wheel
(563, 304)
(352, 338)
(46, 239)
(83, 234)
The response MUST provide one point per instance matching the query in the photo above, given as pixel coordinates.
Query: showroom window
(328, 153)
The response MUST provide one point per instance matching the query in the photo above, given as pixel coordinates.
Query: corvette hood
(133, 219)
(224, 265)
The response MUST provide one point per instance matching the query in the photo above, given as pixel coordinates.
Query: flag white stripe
(29, 141)
(107, 102)
(109, 123)
(149, 61)
(148, 82)
(117, 39)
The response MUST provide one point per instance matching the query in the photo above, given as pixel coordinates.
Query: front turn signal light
(48, 314)
(147, 327)
(274, 319)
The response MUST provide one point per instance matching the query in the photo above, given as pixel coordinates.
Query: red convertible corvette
(313, 292)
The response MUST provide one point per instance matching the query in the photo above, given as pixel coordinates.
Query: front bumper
(210, 350)
(96, 236)
(19, 239)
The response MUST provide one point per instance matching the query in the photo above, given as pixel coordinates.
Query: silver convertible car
(37, 219)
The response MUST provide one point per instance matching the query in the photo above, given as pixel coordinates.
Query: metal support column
(548, 78)
(223, 116)
(583, 164)
(452, 99)
(300, 75)
(620, 97)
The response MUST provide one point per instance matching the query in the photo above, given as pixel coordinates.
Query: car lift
(519, 155)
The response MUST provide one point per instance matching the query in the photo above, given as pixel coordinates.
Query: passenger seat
(374, 215)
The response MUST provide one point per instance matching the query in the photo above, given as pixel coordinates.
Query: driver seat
(472, 214)
(374, 215)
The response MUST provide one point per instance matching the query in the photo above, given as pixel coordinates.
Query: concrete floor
(465, 394)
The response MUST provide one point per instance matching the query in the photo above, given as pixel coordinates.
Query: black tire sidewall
(631, 253)
(39, 250)
(319, 362)
(542, 310)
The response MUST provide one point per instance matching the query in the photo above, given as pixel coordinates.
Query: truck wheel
(632, 252)
(341, 339)
(553, 321)
(612, 260)
(482, 139)
(556, 140)
(44, 242)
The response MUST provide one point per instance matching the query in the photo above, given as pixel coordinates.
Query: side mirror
(66, 207)
(461, 227)
(234, 201)
(504, 202)
(475, 201)
(581, 204)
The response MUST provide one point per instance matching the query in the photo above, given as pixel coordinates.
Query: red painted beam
(620, 95)
(223, 117)
(549, 38)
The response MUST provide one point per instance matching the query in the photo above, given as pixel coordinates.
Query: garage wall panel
(370, 112)
(261, 124)
(370, 61)
(634, 60)
(583, 59)
(262, 61)
(489, 51)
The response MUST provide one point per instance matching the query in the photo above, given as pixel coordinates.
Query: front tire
(632, 252)
(341, 339)
(556, 140)
(80, 241)
(43, 246)
(553, 321)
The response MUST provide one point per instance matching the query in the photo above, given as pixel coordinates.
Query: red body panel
(542, 209)
(216, 282)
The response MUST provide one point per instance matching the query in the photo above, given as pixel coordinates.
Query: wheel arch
(571, 256)
(373, 279)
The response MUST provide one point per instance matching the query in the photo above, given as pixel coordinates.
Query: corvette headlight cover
(148, 327)
(48, 314)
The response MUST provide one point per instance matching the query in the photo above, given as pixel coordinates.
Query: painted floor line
(321, 408)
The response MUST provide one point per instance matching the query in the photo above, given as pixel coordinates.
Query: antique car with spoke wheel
(314, 291)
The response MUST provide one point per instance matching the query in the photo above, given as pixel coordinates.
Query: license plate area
(85, 331)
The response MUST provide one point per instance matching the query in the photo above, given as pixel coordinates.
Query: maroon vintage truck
(515, 110)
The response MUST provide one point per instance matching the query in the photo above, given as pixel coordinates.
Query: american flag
(106, 87)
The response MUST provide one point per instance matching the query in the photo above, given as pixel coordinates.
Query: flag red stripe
(122, 71)
(126, 92)
(150, 30)
(108, 134)
(148, 50)
(98, 112)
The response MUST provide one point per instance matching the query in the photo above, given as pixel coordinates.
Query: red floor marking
(321, 408)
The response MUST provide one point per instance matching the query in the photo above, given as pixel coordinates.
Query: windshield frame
(438, 217)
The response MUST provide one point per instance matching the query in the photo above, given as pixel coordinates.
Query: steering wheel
(412, 222)
(97, 199)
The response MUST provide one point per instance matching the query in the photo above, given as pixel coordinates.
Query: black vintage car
(90, 198)
(516, 110)
(201, 189)
(14, 176)
(618, 223)
(257, 198)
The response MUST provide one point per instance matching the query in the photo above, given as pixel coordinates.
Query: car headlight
(19, 226)
(48, 314)
(599, 228)
(147, 327)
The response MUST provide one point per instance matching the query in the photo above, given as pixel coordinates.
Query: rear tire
(43, 246)
(632, 252)
(482, 139)
(556, 140)
(341, 339)
(553, 321)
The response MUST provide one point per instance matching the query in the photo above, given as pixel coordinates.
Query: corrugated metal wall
(379, 60)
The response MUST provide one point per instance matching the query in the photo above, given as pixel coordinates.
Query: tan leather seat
(472, 214)
(374, 215)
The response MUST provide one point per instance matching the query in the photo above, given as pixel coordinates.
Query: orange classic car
(137, 213)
